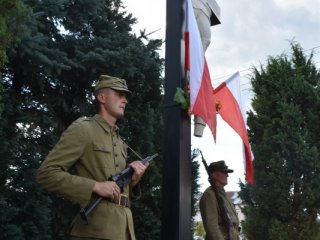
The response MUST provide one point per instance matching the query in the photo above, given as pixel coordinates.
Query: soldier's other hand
(139, 168)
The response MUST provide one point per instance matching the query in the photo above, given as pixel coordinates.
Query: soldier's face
(114, 102)
(221, 178)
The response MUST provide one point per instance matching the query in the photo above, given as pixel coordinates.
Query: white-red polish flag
(232, 111)
(202, 101)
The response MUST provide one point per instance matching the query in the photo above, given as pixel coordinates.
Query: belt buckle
(123, 200)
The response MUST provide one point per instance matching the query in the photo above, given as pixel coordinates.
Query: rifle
(222, 207)
(122, 179)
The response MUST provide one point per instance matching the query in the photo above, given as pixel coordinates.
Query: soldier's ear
(101, 96)
(213, 176)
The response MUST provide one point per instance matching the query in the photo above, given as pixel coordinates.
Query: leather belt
(124, 201)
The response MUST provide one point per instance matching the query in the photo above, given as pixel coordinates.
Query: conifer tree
(13, 14)
(284, 201)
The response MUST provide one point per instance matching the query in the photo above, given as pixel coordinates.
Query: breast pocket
(103, 155)
(121, 160)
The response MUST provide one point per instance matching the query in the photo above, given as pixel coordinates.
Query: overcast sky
(249, 32)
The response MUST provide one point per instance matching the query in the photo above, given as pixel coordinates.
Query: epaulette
(82, 119)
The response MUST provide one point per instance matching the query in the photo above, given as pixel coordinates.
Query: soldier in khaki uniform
(93, 148)
(213, 223)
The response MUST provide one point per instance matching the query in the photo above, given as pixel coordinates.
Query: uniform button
(117, 165)
(116, 155)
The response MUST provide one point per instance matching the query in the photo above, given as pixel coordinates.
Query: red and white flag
(202, 101)
(232, 111)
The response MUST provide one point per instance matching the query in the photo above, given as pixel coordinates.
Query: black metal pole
(176, 215)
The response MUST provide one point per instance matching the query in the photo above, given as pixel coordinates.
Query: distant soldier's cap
(118, 84)
(219, 166)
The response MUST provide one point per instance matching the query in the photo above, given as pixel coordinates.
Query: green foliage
(13, 14)
(199, 230)
(284, 202)
(195, 188)
(48, 84)
(182, 98)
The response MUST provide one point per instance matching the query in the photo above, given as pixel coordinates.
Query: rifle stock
(225, 216)
(122, 179)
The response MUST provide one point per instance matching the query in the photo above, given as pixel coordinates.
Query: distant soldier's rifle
(122, 179)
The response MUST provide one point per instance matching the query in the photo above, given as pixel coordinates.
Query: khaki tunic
(95, 152)
(212, 220)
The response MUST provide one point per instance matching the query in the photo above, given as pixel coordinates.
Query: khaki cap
(219, 166)
(118, 84)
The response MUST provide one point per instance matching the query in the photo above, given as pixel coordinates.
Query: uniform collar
(222, 191)
(219, 190)
(105, 125)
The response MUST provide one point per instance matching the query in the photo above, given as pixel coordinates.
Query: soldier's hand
(108, 189)
(139, 168)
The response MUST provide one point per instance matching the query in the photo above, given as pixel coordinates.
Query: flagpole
(176, 194)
